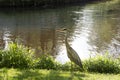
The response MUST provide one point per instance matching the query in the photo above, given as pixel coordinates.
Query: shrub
(17, 56)
(48, 62)
(66, 66)
(45, 62)
(102, 64)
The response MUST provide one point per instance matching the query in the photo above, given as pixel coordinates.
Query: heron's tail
(80, 65)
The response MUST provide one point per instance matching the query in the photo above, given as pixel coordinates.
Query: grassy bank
(16, 74)
(41, 3)
(21, 57)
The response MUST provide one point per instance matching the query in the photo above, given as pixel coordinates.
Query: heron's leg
(72, 74)
(71, 67)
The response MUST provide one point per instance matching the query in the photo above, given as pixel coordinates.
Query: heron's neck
(66, 40)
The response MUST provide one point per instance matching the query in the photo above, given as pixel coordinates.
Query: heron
(71, 53)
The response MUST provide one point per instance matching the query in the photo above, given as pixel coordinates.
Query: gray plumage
(72, 54)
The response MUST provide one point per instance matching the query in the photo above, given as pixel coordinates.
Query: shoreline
(43, 3)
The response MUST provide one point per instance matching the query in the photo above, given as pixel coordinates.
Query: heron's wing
(72, 54)
(74, 57)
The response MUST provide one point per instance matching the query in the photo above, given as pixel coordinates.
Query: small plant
(102, 64)
(17, 56)
(45, 62)
(66, 66)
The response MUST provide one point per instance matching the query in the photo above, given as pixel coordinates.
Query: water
(93, 28)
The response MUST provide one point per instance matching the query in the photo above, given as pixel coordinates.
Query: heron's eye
(64, 29)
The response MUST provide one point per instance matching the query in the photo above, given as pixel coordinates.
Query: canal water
(93, 28)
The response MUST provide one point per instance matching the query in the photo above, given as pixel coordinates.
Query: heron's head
(65, 31)
(62, 30)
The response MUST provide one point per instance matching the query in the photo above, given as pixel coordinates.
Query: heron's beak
(61, 30)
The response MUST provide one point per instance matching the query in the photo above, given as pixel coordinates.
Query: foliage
(102, 64)
(45, 62)
(19, 56)
(16, 56)
(68, 66)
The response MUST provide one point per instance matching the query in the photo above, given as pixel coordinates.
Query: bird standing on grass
(72, 54)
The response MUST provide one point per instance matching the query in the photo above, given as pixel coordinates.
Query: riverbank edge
(42, 3)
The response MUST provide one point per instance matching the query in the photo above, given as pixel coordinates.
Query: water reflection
(93, 28)
(83, 25)
(106, 29)
(33, 28)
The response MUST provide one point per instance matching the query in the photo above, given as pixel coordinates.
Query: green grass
(102, 64)
(40, 74)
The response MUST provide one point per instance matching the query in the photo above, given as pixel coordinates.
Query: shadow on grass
(56, 75)
(28, 75)
(80, 75)
(47, 75)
